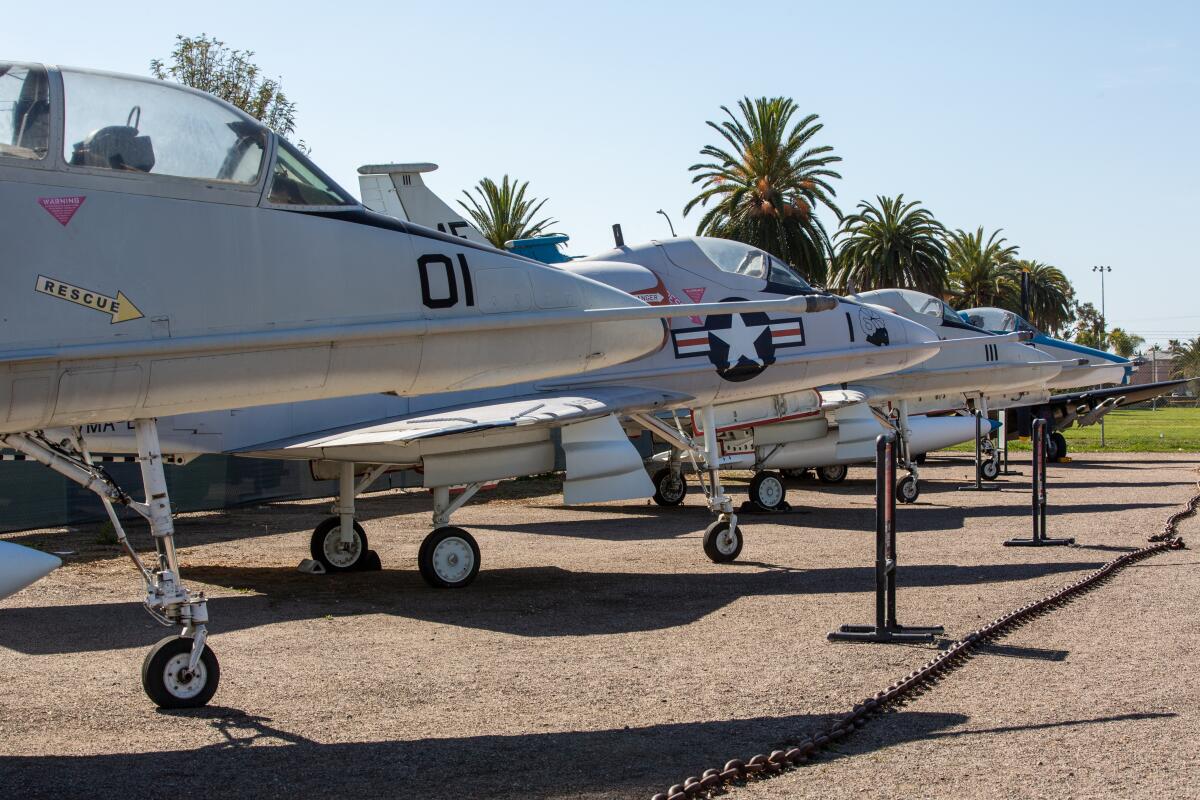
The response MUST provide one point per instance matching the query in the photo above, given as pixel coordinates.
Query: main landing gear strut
(723, 538)
(180, 671)
(908, 488)
(448, 558)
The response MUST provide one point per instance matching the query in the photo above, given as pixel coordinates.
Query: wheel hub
(452, 559)
(181, 681)
(339, 553)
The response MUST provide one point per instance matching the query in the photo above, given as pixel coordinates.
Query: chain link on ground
(922, 679)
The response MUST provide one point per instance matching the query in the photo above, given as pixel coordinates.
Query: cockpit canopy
(996, 320)
(143, 127)
(735, 258)
(915, 305)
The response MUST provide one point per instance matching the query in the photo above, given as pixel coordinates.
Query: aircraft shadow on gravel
(625, 762)
(527, 601)
(614, 762)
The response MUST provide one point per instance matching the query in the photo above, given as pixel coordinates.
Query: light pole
(1103, 328)
(1103, 318)
(669, 225)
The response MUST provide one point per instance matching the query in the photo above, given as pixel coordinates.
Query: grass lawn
(1166, 430)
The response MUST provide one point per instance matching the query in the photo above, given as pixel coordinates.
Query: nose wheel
(722, 541)
(448, 558)
(908, 490)
(169, 679)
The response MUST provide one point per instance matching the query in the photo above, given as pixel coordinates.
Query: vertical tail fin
(399, 191)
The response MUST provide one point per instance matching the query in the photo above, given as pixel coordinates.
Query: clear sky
(1072, 126)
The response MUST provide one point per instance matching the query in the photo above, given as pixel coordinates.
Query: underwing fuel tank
(852, 441)
(21, 566)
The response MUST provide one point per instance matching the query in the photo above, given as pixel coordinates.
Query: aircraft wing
(538, 409)
(1125, 394)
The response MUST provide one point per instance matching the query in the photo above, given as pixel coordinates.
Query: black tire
(834, 473)
(163, 678)
(719, 545)
(1056, 446)
(989, 470)
(323, 546)
(907, 490)
(670, 487)
(768, 490)
(448, 558)
(921, 458)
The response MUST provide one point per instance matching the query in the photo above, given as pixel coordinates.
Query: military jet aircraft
(840, 423)
(167, 254)
(718, 364)
(1083, 406)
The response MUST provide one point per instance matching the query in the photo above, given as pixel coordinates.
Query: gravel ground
(599, 654)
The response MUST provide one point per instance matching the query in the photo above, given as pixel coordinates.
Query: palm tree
(892, 245)
(505, 214)
(1187, 360)
(1051, 296)
(982, 272)
(1124, 344)
(767, 181)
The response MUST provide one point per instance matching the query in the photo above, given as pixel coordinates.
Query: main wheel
(670, 487)
(907, 489)
(920, 458)
(326, 546)
(834, 473)
(1056, 446)
(722, 544)
(448, 558)
(166, 678)
(767, 490)
(989, 470)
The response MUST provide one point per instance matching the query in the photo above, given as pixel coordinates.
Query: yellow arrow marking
(120, 308)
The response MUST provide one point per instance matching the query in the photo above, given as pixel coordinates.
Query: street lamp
(669, 225)
(1103, 328)
(1103, 318)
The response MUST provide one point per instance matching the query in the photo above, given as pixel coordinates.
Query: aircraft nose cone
(21, 566)
(618, 342)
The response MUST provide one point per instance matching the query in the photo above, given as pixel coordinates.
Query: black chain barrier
(922, 679)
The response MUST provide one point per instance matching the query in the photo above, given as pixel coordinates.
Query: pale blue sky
(1073, 126)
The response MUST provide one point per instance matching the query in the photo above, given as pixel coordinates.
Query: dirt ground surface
(599, 654)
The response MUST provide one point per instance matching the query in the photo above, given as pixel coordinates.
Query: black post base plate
(896, 633)
(1039, 542)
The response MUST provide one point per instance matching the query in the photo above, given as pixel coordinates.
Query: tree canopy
(766, 181)
(892, 245)
(207, 64)
(502, 213)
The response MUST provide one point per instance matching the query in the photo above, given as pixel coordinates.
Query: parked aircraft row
(172, 259)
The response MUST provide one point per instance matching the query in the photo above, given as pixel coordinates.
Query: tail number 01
(440, 264)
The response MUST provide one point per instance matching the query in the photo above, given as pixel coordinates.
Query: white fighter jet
(1075, 403)
(166, 254)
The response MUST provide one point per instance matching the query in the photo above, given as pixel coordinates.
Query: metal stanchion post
(886, 627)
(1038, 485)
(979, 485)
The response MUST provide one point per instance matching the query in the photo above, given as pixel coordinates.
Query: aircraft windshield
(24, 112)
(928, 305)
(144, 126)
(742, 259)
(295, 181)
(996, 320)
